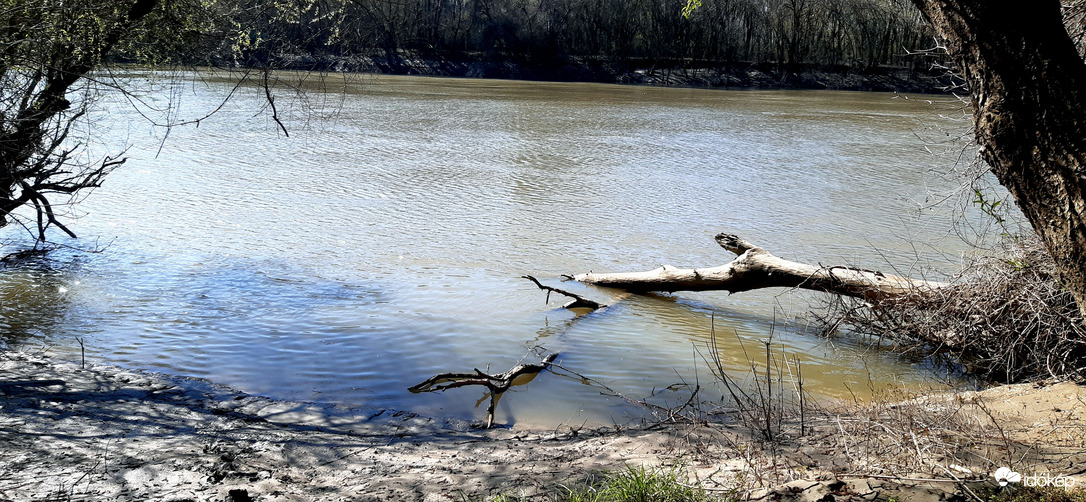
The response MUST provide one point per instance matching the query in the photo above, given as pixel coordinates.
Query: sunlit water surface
(384, 240)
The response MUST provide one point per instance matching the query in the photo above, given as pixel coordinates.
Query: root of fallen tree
(1006, 319)
(496, 384)
(755, 268)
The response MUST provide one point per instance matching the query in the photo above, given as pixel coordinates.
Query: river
(384, 240)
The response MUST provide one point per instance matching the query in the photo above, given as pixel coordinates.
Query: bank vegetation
(855, 44)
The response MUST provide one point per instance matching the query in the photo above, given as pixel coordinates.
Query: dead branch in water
(578, 302)
(497, 384)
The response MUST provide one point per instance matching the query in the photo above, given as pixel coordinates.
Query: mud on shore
(107, 433)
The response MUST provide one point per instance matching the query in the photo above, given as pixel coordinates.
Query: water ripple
(367, 252)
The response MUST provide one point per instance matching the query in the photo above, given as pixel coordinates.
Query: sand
(108, 433)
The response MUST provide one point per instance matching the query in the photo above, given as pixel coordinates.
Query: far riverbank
(643, 71)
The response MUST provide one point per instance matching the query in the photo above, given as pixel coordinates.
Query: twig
(82, 352)
(271, 102)
(962, 484)
(901, 478)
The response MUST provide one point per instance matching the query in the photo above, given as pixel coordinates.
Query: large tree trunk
(756, 268)
(1028, 86)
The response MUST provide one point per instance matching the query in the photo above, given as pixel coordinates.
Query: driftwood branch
(497, 384)
(756, 268)
(577, 302)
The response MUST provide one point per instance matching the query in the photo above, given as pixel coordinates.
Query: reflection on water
(385, 242)
(33, 300)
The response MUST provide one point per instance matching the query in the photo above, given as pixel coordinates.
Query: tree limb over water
(756, 268)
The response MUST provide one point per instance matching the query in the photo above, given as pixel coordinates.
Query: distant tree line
(787, 34)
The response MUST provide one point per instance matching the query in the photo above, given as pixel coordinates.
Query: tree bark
(1028, 88)
(755, 268)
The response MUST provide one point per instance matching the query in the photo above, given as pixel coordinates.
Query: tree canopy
(863, 33)
(46, 49)
(51, 52)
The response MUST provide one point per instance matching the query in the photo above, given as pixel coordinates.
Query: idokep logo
(1005, 476)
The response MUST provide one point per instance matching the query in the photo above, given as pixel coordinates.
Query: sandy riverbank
(106, 433)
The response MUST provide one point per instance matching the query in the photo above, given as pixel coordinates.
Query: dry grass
(908, 439)
(965, 436)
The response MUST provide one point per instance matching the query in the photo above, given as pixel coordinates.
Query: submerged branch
(497, 384)
(578, 302)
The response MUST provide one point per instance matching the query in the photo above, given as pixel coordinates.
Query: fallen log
(756, 268)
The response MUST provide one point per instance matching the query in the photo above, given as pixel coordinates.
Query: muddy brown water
(384, 240)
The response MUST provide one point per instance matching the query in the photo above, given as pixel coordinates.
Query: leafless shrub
(773, 399)
(1004, 319)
